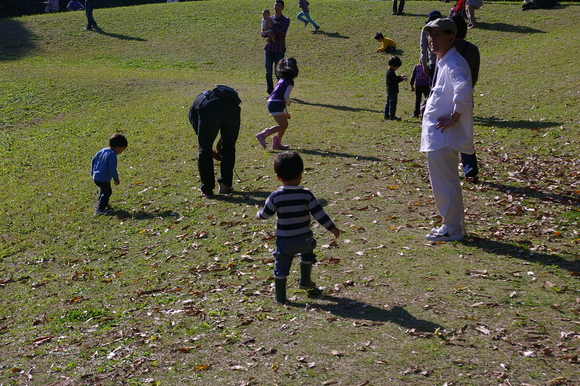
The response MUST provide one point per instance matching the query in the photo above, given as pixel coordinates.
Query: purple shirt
(282, 91)
(280, 28)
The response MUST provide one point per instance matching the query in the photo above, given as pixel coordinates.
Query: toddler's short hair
(118, 140)
(395, 61)
(288, 165)
(379, 36)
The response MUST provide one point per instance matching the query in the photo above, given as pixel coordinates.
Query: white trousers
(446, 187)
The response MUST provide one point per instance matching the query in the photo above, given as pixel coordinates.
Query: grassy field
(173, 289)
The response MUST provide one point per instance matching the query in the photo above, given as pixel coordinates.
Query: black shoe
(305, 23)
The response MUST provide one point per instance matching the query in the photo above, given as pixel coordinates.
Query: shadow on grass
(337, 154)
(503, 27)
(335, 35)
(16, 41)
(526, 191)
(515, 124)
(118, 36)
(342, 108)
(352, 309)
(142, 215)
(522, 253)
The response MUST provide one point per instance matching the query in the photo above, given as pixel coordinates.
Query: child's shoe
(306, 282)
(261, 137)
(276, 145)
(280, 290)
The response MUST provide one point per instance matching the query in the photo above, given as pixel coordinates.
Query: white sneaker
(443, 237)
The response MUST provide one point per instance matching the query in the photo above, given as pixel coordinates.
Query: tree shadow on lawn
(522, 253)
(515, 124)
(17, 41)
(337, 154)
(342, 108)
(352, 309)
(118, 36)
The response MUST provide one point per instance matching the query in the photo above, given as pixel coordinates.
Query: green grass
(173, 289)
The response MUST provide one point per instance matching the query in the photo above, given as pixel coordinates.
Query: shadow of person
(335, 35)
(117, 36)
(523, 252)
(352, 309)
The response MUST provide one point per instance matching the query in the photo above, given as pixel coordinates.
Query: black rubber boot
(280, 287)
(305, 280)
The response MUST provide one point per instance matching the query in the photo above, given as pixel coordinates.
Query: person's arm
(112, 163)
(287, 95)
(424, 46)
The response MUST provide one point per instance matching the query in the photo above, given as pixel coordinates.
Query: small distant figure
(104, 169)
(75, 5)
(393, 81)
(89, 7)
(267, 24)
(51, 6)
(398, 10)
(294, 205)
(387, 45)
(419, 85)
(286, 71)
(304, 15)
(172, 1)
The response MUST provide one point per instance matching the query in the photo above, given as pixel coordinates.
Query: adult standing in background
(470, 53)
(398, 10)
(304, 15)
(470, 8)
(89, 7)
(428, 58)
(447, 128)
(275, 50)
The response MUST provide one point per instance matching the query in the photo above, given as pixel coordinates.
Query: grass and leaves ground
(174, 289)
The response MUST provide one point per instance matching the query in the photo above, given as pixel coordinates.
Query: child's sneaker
(224, 189)
(441, 234)
(100, 211)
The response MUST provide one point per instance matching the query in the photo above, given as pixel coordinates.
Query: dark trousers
(391, 106)
(89, 6)
(270, 61)
(400, 8)
(104, 194)
(420, 92)
(212, 120)
(469, 164)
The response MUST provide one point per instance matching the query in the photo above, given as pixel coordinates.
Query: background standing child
(294, 206)
(267, 23)
(286, 71)
(304, 15)
(393, 81)
(420, 85)
(104, 169)
(387, 45)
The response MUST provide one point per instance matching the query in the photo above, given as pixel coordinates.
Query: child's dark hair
(288, 165)
(287, 68)
(117, 140)
(379, 36)
(395, 61)
(280, 1)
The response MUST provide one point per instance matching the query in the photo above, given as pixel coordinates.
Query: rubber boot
(305, 280)
(280, 287)
(262, 135)
(277, 145)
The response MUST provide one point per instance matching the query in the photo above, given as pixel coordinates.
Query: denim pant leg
(270, 61)
(229, 130)
(104, 194)
(305, 16)
(287, 248)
